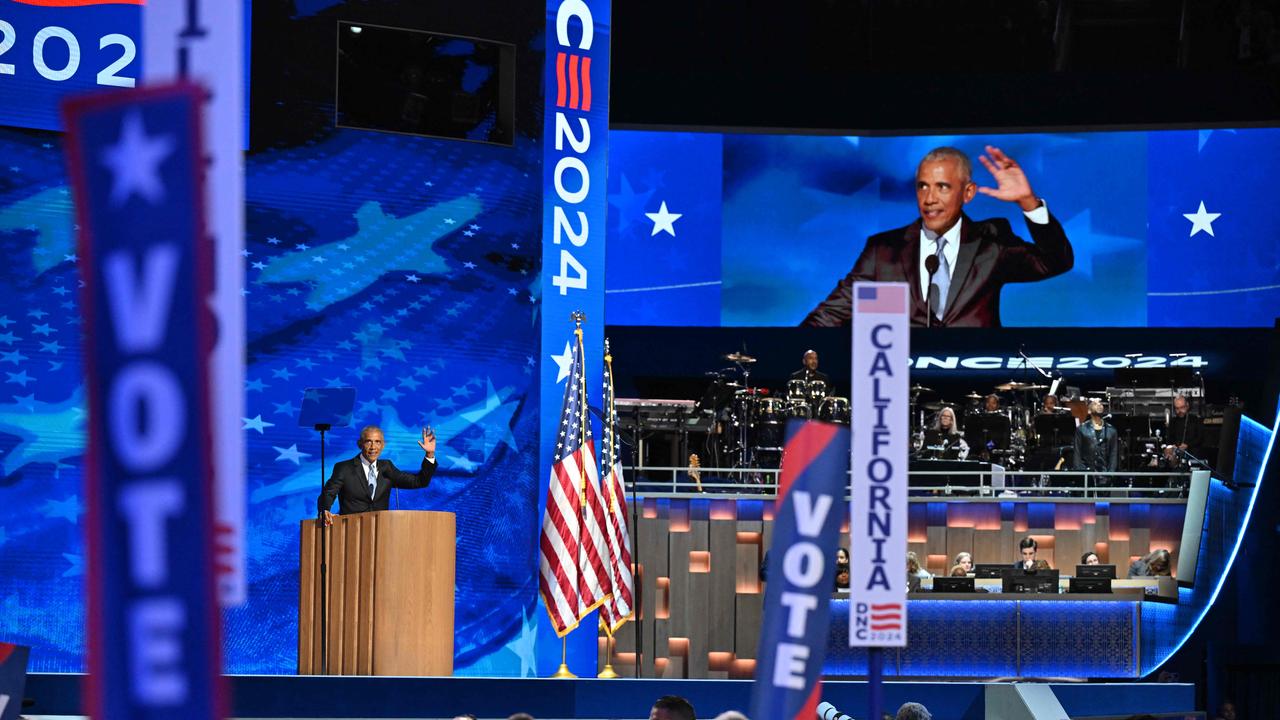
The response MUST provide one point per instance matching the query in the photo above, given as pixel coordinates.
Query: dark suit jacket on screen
(990, 255)
(349, 485)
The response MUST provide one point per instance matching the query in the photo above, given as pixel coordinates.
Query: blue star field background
(404, 267)
(770, 223)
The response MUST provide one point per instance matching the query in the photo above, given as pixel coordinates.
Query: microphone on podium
(827, 711)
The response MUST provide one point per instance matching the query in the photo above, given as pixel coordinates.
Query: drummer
(992, 403)
(810, 372)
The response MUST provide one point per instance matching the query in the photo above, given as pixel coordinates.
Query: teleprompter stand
(324, 409)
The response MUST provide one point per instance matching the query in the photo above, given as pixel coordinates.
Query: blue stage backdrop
(406, 267)
(765, 225)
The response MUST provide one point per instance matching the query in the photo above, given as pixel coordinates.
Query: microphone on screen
(827, 711)
(931, 264)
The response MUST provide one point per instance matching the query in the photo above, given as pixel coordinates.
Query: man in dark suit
(975, 259)
(363, 483)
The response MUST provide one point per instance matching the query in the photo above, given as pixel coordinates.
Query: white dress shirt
(365, 465)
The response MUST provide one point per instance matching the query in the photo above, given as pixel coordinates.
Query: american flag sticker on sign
(882, 299)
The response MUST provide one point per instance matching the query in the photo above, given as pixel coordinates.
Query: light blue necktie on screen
(942, 279)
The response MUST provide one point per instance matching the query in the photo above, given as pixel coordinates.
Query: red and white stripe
(618, 610)
(558, 579)
(595, 582)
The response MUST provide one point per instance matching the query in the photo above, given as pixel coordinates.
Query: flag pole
(607, 673)
(563, 673)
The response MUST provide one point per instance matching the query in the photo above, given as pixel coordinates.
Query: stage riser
(285, 696)
(699, 559)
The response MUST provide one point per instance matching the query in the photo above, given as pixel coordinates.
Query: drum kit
(753, 420)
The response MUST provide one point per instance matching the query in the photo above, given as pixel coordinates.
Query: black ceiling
(921, 65)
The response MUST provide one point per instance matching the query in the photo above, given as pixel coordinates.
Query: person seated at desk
(1090, 558)
(943, 441)
(915, 573)
(1153, 564)
(964, 560)
(1028, 548)
(913, 567)
(842, 569)
(958, 571)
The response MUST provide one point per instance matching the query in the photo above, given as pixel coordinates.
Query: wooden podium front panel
(390, 594)
(413, 621)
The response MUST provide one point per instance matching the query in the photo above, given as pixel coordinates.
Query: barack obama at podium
(956, 266)
(364, 483)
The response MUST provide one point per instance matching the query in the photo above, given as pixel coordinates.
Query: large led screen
(1161, 228)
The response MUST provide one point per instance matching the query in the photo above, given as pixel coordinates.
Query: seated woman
(1153, 564)
(958, 570)
(915, 573)
(964, 560)
(944, 440)
(1090, 558)
(913, 567)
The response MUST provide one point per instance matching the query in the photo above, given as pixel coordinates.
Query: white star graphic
(135, 162)
(256, 423)
(290, 453)
(524, 647)
(1201, 220)
(663, 220)
(563, 362)
(464, 463)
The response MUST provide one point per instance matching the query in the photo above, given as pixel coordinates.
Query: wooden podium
(390, 594)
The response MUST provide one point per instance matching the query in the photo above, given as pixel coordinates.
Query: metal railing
(977, 484)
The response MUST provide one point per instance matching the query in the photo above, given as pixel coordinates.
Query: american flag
(882, 298)
(573, 576)
(619, 609)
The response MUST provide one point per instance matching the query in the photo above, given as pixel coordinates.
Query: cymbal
(1004, 387)
(739, 357)
(938, 405)
(973, 396)
(918, 388)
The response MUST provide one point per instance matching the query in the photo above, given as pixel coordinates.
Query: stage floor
(281, 696)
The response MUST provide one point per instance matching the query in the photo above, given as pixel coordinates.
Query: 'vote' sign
(153, 620)
(801, 571)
